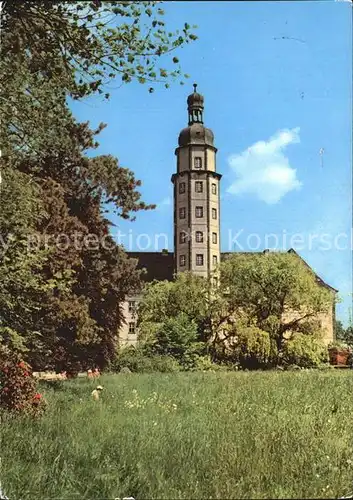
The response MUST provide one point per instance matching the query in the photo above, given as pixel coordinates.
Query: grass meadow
(186, 436)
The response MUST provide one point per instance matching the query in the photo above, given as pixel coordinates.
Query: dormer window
(197, 163)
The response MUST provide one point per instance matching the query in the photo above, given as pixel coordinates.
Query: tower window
(199, 212)
(199, 259)
(198, 186)
(214, 260)
(214, 238)
(182, 213)
(182, 237)
(199, 236)
(132, 306)
(197, 163)
(182, 188)
(214, 213)
(214, 188)
(132, 328)
(182, 260)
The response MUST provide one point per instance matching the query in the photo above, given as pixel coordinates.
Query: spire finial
(195, 86)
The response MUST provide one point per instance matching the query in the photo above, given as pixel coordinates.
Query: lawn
(189, 435)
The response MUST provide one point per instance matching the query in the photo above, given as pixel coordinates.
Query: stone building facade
(197, 213)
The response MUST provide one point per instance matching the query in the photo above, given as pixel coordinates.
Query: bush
(305, 351)
(18, 392)
(195, 362)
(253, 348)
(139, 361)
(175, 336)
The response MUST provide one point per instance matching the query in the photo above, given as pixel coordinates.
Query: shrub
(137, 360)
(164, 364)
(253, 348)
(18, 392)
(196, 362)
(175, 336)
(305, 351)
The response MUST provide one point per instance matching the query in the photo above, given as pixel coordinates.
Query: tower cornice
(210, 173)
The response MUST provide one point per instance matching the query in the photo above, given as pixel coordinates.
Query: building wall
(186, 203)
(126, 337)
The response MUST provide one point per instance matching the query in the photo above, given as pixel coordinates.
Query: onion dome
(196, 133)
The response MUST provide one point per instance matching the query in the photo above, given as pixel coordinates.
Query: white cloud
(263, 169)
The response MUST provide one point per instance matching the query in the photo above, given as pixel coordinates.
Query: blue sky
(276, 77)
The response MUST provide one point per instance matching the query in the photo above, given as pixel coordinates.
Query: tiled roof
(160, 265)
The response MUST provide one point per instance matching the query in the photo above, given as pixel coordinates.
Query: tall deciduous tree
(274, 293)
(52, 51)
(269, 288)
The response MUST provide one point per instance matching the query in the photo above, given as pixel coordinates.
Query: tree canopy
(262, 301)
(62, 293)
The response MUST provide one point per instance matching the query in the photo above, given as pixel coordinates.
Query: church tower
(196, 195)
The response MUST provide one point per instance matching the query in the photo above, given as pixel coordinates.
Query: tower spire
(195, 107)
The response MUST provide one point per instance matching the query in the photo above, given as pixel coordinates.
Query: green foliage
(266, 287)
(77, 50)
(187, 294)
(344, 334)
(305, 351)
(175, 336)
(253, 348)
(175, 317)
(139, 361)
(63, 305)
(18, 392)
(193, 361)
(23, 288)
(245, 320)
